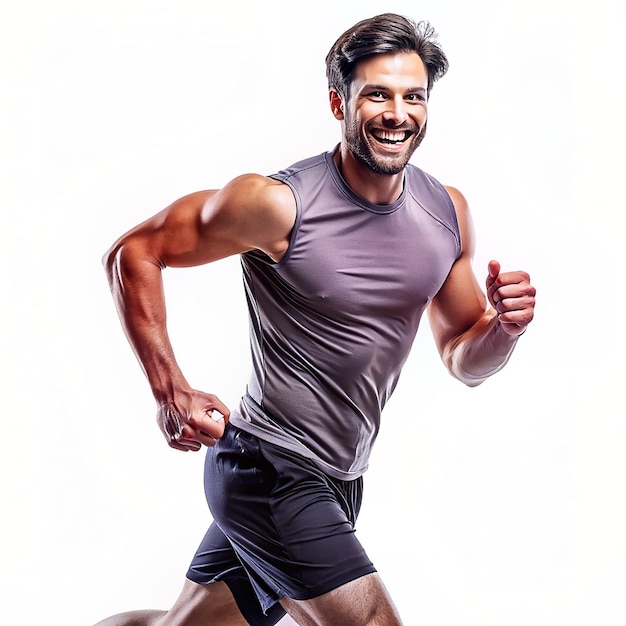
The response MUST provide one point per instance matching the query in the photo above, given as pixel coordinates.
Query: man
(341, 255)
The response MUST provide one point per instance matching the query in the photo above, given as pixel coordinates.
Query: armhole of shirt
(261, 256)
(453, 219)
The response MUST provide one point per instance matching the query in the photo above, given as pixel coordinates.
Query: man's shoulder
(415, 173)
(421, 183)
(319, 160)
(433, 196)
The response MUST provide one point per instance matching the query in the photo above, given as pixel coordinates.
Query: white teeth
(390, 136)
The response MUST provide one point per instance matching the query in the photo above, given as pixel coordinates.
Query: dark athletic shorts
(281, 527)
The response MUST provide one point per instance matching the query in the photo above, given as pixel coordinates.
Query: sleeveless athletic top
(332, 323)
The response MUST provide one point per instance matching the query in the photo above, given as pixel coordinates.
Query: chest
(359, 262)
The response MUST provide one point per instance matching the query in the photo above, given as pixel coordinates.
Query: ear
(336, 104)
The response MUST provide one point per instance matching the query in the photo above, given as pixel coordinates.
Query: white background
(496, 506)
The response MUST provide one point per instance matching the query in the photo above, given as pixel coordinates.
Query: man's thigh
(361, 602)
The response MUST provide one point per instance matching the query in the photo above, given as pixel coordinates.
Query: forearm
(137, 288)
(480, 352)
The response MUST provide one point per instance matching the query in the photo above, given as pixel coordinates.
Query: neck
(376, 188)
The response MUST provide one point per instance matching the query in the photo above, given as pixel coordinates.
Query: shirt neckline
(354, 197)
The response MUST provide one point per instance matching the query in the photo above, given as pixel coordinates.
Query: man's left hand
(513, 298)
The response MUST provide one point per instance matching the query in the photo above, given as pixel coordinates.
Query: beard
(387, 165)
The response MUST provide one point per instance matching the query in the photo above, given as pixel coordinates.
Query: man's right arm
(252, 212)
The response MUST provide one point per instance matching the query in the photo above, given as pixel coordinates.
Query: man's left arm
(476, 333)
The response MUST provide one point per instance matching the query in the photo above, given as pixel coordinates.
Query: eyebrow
(374, 87)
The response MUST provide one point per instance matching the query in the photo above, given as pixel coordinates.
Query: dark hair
(383, 34)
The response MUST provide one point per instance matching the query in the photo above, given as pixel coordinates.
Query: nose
(396, 114)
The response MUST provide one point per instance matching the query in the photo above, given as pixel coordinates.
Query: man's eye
(377, 95)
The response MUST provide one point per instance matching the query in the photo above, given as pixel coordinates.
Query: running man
(341, 253)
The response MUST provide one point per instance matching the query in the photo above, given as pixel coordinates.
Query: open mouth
(391, 137)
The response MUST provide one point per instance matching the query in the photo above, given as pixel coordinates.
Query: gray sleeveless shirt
(333, 322)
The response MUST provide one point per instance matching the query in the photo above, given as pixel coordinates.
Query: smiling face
(385, 115)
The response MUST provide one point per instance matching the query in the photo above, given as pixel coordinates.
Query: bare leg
(133, 618)
(197, 605)
(361, 602)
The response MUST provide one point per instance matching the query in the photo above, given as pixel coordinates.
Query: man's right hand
(252, 212)
(192, 420)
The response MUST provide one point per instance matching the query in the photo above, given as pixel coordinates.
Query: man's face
(385, 116)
